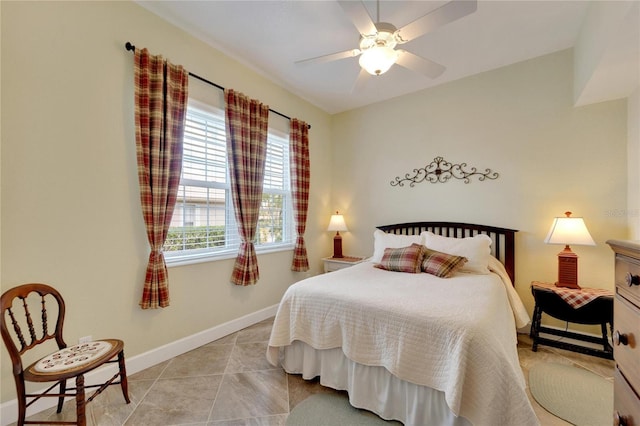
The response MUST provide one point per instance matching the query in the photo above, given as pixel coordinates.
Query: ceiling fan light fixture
(378, 59)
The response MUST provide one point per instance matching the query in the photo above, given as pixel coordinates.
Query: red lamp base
(337, 246)
(567, 269)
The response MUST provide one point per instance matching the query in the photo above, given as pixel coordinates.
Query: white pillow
(382, 240)
(476, 249)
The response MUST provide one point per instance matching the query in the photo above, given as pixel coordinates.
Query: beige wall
(633, 159)
(517, 121)
(605, 65)
(69, 195)
(70, 207)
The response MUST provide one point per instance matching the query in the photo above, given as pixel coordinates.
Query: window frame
(187, 257)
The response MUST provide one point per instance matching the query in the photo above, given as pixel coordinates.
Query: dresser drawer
(628, 272)
(627, 356)
(626, 404)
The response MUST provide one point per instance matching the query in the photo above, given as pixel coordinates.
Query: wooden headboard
(502, 239)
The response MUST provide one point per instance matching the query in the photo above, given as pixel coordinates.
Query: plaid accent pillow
(440, 264)
(405, 259)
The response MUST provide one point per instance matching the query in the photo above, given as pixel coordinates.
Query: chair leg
(22, 402)
(80, 401)
(535, 325)
(63, 389)
(123, 377)
(605, 338)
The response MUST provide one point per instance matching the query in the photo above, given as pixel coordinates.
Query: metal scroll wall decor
(440, 170)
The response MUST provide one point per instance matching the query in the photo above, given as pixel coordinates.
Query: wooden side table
(334, 263)
(558, 302)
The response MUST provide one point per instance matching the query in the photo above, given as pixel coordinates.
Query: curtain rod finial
(130, 46)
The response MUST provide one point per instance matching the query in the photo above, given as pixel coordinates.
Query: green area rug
(325, 409)
(573, 394)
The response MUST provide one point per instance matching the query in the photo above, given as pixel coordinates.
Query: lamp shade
(337, 223)
(569, 231)
(378, 59)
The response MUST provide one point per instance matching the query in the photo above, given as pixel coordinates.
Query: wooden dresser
(626, 333)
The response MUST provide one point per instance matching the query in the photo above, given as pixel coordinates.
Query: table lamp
(337, 224)
(568, 230)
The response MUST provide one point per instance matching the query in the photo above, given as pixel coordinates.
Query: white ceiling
(270, 36)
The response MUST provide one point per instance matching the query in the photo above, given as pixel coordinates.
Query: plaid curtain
(246, 123)
(160, 109)
(300, 176)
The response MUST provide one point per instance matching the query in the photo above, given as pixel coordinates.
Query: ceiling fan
(378, 41)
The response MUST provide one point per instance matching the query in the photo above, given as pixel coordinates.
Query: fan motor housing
(385, 36)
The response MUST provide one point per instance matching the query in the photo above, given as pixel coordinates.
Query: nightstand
(334, 263)
(581, 306)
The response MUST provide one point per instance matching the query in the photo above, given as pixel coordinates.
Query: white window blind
(203, 223)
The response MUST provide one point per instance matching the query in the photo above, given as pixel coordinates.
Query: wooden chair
(67, 363)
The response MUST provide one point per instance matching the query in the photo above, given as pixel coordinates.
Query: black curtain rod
(132, 48)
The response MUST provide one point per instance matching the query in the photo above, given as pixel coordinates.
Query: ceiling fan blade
(360, 82)
(331, 57)
(446, 13)
(357, 13)
(418, 64)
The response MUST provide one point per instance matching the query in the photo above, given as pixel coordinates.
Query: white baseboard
(135, 364)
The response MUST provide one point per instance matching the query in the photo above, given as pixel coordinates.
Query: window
(203, 224)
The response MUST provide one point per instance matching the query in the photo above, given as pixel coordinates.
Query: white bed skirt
(370, 387)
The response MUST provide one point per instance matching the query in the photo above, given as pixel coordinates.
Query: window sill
(172, 261)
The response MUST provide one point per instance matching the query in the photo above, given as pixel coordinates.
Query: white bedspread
(456, 335)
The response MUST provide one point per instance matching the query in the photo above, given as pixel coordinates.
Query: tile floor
(230, 383)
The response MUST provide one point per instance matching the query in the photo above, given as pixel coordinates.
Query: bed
(415, 347)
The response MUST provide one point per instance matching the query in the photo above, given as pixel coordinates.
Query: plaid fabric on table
(160, 108)
(576, 298)
(300, 176)
(246, 125)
